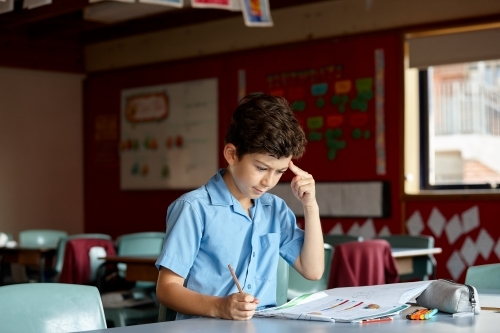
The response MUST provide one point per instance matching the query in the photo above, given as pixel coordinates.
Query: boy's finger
(296, 170)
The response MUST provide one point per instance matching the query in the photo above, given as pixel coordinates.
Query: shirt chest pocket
(267, 257)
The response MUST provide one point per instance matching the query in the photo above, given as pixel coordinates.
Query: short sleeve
(292, 237)
(183, 236)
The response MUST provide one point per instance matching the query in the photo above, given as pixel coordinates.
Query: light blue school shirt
(207, 229)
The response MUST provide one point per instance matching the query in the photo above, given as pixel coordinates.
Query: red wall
(112, 211)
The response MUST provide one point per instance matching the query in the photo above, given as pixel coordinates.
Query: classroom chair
(423, 266)
(39, 238)
(363, 264)
(50, 307)
(333, 240)
(61, 247)
(147, 244)
(298, 285)
(484, 276)
(166, 314)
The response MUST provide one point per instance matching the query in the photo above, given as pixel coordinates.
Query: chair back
(363, 264)
(282, 282)
(61, 246)
(423, 266)
(298, 285)
(50, 307)
(484, 276)
(333, 240)
(37, 238)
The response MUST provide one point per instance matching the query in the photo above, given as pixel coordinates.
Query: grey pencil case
(450, 296)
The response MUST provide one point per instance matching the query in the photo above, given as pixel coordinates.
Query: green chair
(424, 266)
(338, 239)
(50, 307)
(298, 285)
(484, 276)
(166, 314)
(40, 238)
(147, 244)
(61, 246)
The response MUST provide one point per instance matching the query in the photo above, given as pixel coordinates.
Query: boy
(232, 220)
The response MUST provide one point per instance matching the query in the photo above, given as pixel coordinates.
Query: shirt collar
(221, 196)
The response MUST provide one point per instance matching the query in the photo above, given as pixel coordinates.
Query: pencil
(235, 278)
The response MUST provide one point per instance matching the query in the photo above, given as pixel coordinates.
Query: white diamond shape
(354, 231)
(484, 243)
(436, 222)
(336, 230)
(415, 224)
(469, 251)
(368, 230)
(453, 229)
(470, 219)
(497, 249)
(455, 265)
(384, 231)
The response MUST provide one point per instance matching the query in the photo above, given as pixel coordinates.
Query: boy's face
(253, 174)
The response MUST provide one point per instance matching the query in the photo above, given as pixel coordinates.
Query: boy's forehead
(278, 163)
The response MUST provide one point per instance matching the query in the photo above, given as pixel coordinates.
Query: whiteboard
(168, 135)
(345, 199)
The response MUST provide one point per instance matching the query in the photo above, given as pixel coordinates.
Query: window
(458, 123)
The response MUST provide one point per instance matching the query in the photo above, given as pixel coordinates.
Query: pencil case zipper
(472, 298)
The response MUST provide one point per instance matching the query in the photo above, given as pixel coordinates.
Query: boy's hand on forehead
(303, 185)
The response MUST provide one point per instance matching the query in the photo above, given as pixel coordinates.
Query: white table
(404, 257)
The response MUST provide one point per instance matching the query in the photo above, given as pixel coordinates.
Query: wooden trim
(452, 30)
(459, 195)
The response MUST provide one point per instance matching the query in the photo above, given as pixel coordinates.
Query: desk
(404, 257)
(29, 256)
(486, 322)
(138, 268)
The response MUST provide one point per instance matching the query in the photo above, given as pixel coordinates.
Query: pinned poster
(233, 5)
(257, 13)
(6, 6)
(173, 3)
(30, 4)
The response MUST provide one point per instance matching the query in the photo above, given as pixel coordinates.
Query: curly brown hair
(265, 124)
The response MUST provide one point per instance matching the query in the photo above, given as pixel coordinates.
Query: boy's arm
(171, 292)
(310, 263)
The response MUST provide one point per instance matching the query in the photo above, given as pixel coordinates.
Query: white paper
(415, 224)
(349, 304)
(367, 231)
(484, 243)
(346, 199)
(470, 219)
(455, 265)
(336, 230)
(436, 222)
(453, 229)
(469, 251)
(30, 4)
(6, 6)
(172, 3)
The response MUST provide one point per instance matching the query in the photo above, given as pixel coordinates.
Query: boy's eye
(261, 168)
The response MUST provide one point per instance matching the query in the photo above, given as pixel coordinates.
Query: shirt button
(249, 286)
(253, 254)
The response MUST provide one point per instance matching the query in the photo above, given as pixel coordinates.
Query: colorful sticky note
(319, 89)
(299, 105)
(364, 84)
(334, 121)
(314, 122)
(343, 87)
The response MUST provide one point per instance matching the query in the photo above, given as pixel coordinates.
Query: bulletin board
(165, 133)
(342, 92)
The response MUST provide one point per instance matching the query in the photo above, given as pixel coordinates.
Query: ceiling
(77, 21)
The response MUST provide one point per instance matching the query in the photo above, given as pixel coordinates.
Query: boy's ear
(230, 153)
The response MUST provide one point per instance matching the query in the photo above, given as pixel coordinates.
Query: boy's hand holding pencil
(238, 306)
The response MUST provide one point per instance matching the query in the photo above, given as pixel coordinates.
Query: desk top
(408, 252)
(486, 322)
